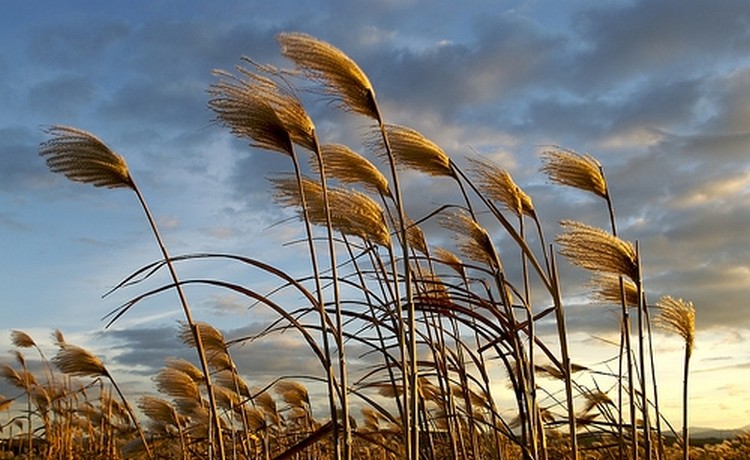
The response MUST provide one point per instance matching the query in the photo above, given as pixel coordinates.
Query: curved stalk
(216, 421)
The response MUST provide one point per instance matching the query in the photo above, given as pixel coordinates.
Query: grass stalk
(565, 357)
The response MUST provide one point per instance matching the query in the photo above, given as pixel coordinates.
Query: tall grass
(442, 330)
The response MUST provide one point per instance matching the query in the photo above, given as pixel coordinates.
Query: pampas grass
(82, 157)
(678, 316)
(596, 250)
(436, 338)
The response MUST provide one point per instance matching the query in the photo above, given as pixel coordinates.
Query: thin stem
(625, 347)
(330, 381)
(216, 421)
(412, 431)
(642, 359)
(567, 372)
(685, 433)
(343, 378)
(131, 414)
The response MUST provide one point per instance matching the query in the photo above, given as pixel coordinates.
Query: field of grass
(441, 327)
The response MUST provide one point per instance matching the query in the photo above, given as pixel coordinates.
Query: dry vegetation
(442, 329)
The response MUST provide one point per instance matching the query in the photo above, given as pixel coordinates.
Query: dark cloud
(143, 351)
(20, 166)
(730, 101)
(656, 40)
(148, 103)
(64, 96)
(61, 45)
(657, 91)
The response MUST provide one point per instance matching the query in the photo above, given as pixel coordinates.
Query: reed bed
(442, 330)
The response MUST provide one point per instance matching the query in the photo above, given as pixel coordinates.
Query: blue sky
(658, 91)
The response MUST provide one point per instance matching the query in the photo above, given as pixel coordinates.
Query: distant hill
(707, 433)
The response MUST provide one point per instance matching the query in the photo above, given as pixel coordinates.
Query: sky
(658, 91)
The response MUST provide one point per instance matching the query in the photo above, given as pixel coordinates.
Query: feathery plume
(293, 393)
(352, 212)
(349, 167)
(78, 361)
(497, 183)
(678, 316)
(431, 286)
(596, 250)
(41, 397)
(58, 338)
(371, 419)
(473, 240)
(177, 384)
(255, 418)
(83, 157)
(21, 380)
(567, 167)
(607, 287)
(186, 367)
(240, 106)
(268, 83)
(415, 236)
(411, 150)
(158, 410)
(5, 403)
(231, 380)
(265, 402)
(342, 78)
(226, 398)
(212, 338)
(450, 259)
(21, 339)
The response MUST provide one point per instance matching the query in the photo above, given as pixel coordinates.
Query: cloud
(657, 40)
(66, 96)
(20, 166)
(61, 44)
(658, 92)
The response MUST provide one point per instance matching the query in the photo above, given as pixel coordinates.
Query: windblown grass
(440, 329)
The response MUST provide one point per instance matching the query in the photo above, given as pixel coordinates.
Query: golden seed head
(678, 316)
(607, 289)
(567, 167)
(412, 150)
(450, 259)
(242, 106)
(177, 384)
(293, 393)
(58, 338)
(415, 236)
(349, 167)
(5, 403)
(351, 212)
(231, 380)
(265, 402)
(186, 367)
(498, 185)
(473, 240)
(82, 157)
(211, 338)
(158, 409)
(21, 339)
(74, 360)
(596, 250)
(342, 78)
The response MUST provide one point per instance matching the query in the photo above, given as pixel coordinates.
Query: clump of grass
(438, 335)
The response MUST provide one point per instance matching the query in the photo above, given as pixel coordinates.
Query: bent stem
(216, 421)
(131, 414)
(324, 319)
(412, 406)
